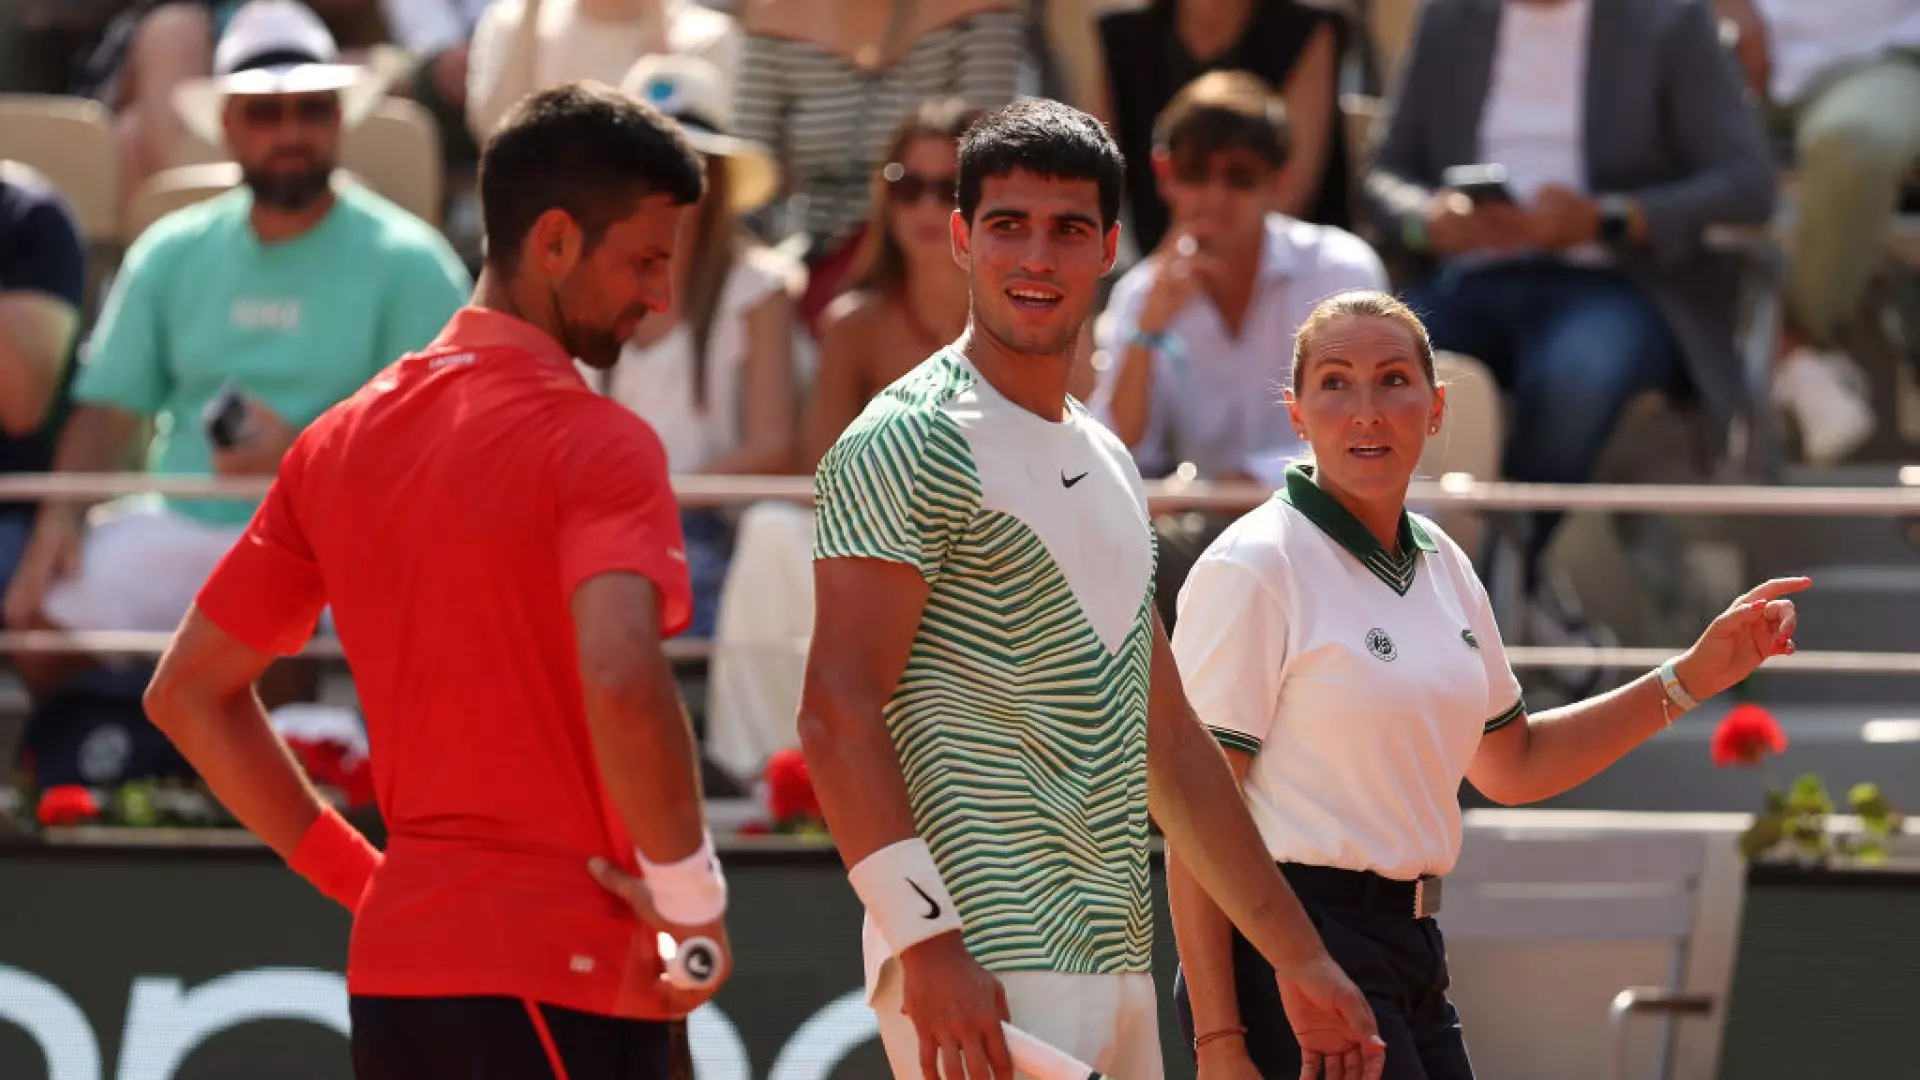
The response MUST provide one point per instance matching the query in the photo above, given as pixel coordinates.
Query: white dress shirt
(1216, 403)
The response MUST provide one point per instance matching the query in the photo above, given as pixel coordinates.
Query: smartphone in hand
(1482, 184)
(225, 418)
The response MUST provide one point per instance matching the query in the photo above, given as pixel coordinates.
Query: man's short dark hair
(587, 149)
(1221, 111)
(1048, 139)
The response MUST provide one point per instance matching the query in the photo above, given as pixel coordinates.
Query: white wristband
(904, 895)
(690, 892)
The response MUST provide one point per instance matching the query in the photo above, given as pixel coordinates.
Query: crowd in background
(1579, 275)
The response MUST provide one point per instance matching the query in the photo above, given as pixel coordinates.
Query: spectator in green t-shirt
(294, 288)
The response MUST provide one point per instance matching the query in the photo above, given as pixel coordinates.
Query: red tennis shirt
(446, 513)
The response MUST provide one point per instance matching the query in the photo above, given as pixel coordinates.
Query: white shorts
(141, 565)
(1111, 1022)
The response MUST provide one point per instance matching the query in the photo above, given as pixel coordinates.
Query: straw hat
(277, 47)
(693, 92)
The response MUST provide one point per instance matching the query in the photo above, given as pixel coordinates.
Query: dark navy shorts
(501, 1038)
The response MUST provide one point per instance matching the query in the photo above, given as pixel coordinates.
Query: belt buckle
(1426, 897)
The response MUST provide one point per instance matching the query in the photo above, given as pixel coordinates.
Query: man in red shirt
(501, 552)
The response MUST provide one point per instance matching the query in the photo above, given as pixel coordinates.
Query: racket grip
(692, 964)
(1044, 1061)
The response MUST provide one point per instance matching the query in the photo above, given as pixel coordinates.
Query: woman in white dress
(1345, 655)
(715, 375)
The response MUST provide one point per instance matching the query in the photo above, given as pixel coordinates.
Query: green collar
(1325, 511)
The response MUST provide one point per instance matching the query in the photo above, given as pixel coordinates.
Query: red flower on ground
(1747, 735)
(67, 804)
(789, 788)
(335, 766)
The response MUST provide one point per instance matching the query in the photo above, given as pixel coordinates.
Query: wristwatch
(1616, 221)
(1677, 695)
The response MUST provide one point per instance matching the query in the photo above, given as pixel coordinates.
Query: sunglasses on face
(309, 111)
(1235, 175)
(905, 188)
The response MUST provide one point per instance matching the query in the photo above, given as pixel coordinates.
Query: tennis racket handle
(692, 964)
(1044, 1061)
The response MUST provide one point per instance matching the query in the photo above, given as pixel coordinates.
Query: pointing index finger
(1774, 589)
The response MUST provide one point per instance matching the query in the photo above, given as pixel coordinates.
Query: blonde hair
(1361, 304)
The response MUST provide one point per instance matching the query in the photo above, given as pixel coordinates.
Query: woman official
(1345, 655)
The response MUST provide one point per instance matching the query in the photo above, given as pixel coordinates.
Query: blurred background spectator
(437, 36)
(715, 376)
(1294, 46)
(147, 51)
(905, 296)
(1198, 336)
(905, 300)
(523, 46)
(1583, 279)
(824, 82)
(1843, 77)
(291, 290)
(42, 286)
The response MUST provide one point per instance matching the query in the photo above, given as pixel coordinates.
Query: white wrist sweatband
(690, 892)
(903, 893)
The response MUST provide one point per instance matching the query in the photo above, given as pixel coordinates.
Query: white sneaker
(1826, 393)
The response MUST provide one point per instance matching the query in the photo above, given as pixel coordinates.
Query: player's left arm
(261, 603)
(1197, 801)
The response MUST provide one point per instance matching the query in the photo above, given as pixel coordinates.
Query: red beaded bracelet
(1216, 1036)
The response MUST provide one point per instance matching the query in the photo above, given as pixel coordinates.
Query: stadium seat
(71, 141)
(1469, 440)
(396, 152)
(175, 189)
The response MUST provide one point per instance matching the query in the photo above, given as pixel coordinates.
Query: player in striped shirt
(990, 699)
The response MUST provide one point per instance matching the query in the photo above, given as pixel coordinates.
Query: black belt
(1331, 886)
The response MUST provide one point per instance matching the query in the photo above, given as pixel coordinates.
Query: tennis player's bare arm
(642, 740)
(1204, 938)
(1194, 797)
(644, 746)
(866, 615)
(202, 697)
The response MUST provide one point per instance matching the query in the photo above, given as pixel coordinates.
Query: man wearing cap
(276, 299)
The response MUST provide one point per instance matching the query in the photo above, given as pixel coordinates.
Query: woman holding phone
(1345, 655)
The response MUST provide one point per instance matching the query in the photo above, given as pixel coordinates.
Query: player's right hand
(52, 554)
(679, 999)
(1332, 1022)
(956, 1007)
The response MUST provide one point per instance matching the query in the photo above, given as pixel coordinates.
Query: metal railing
(1451, 492)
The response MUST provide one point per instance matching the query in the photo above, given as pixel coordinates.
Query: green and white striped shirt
(1021, 717)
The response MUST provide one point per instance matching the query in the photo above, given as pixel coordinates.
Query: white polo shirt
(1360, 682)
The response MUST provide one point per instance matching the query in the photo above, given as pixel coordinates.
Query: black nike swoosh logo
(1069, 483)
(933, 909)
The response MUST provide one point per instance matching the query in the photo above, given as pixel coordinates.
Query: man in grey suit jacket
(1624, 132)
